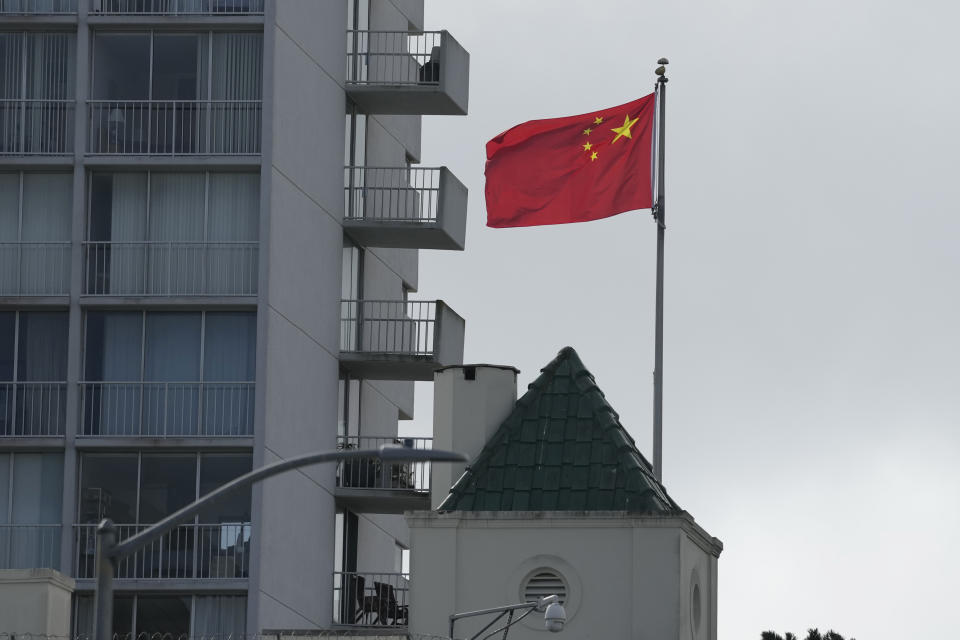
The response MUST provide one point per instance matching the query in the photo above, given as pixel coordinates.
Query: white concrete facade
(626, 576)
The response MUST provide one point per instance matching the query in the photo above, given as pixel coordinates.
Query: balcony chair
(365, 604)
(389, 608)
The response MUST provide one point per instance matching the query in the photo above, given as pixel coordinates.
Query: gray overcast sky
(812, 343)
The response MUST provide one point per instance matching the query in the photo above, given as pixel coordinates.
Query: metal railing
(176, 7)
(203, 551)
(36, 127)
(34, 268)
(41, 7)
(167, 409)
(395, 194)
(33, 409)
(174, 127)
(267, 634)
(388, 327)
(29, 546)
(393, 57)
(371, 599)
(170, 268)
(374, 474)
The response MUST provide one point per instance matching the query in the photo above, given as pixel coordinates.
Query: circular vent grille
(544, 583)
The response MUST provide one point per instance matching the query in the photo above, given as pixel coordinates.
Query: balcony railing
(36, 127)
(405, 207)
(170, 268)
(29, 546)
(201, 551)
(33, 409)
(399, 339)
(174, 127)
(408, 194)
(167, 409)
(393, 57)
(404, 72)
(373, 474)
(176, 7)
(38, 7)
(371, 599)
(34, 268)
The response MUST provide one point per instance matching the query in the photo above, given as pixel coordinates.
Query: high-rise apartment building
(210, 213)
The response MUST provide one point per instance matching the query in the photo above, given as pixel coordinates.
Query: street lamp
(110, 552)
(554, 616)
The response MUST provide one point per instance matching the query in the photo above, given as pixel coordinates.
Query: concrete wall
(298, 342)
(35, 601)
(627, 576)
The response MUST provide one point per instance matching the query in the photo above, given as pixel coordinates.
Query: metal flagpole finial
(662, 69)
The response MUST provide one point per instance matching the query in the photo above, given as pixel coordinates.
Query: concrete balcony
(38, 7)
(167, 409)
(33, 409)
(155, 268)
(174, 127)
(34, 268)
(399, 72)
(175, 7)
(371, 599)
(36, 127)
(398, 339)
(190, 551)
(29, 546)
(370, 486)
(405, 207)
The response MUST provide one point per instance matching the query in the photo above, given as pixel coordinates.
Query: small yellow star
(597, 120)
(625, 129)
(587, 147)
(587, 131)
(593, 156)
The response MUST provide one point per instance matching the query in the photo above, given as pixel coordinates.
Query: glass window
(220, 616)
(172, 347)
(230, 347)
(47, 207)
(216, 470)
(108, 488)
(176, 67)
(165, 616)
(167, 482)
(42, 346)
(37, 488)
(8, 323)
(121, 64)
(114, 345)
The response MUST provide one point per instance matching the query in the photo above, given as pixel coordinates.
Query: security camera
(555, 617)
(546, 601)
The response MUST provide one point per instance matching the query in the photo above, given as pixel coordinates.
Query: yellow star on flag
(597, 120)
(587, 131)
(593, 156)
(624, 130)
(587, 147)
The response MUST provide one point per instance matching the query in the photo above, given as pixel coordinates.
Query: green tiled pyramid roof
(562, 448)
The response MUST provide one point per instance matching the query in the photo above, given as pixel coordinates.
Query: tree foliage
(812, 634)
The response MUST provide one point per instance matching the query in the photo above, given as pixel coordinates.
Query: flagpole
(660, 217)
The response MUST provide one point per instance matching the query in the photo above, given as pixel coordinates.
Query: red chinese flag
(571, 169)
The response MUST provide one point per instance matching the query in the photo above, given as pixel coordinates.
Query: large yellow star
(624, 131)
(587, 147)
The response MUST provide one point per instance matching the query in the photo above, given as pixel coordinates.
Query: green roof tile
(562, 448)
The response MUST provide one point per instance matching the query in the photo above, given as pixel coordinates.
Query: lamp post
(109, 551)
(554, 616)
